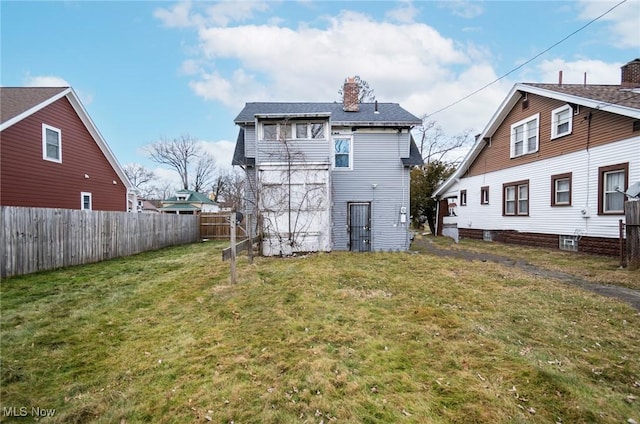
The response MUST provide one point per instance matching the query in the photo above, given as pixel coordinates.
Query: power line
(527, 62)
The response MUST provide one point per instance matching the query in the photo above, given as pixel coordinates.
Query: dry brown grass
(381, 337)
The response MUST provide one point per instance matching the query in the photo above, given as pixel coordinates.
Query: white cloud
(405, 13)
(183, 15)
(463, 8)
(598, 72)
(623, 28)
(45, 81)
(404, 61)
(222, 151)
(53, 81)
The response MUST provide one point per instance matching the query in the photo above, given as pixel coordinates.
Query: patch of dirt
(627, 295)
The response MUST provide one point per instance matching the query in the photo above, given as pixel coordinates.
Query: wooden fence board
(39, 239)
(632, 217)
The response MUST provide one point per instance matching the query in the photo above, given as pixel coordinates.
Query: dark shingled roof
(16, 100)
(415, 158)
(389, 114)
(612, 94)
(238, 154)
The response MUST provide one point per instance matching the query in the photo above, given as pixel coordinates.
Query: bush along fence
(40, 239)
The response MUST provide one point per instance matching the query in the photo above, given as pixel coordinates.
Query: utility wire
(527, 62)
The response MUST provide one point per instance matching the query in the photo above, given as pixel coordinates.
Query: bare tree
(204, 169)
(139, 176)
(435, 145)
(184, 155)
(231, 187)
(365, 92)
(441, 155)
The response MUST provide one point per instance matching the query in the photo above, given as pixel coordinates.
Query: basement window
(569, 243)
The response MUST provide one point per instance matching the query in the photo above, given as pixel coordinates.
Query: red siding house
(53, 156)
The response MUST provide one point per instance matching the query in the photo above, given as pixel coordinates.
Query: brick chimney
(630, 74)
(350, 94)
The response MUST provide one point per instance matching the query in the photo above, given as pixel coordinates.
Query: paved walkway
(627, 295)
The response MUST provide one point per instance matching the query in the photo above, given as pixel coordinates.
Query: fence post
(250, 236)
(232, 227)
(632, 216)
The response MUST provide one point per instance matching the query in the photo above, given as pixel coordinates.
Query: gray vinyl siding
(250, 141)
(301, 151)
(376, 160)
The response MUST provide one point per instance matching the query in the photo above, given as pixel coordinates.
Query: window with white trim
(525, 136)
(463, 197)
(516, 198)
(610, 180)
(293, 130)
(308, 130)
(342, 153)
(51, 143)
(561, 121)
(85, 201)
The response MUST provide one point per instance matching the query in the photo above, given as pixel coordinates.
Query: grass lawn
(340, 337)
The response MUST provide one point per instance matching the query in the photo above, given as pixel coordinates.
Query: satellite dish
(632, 191)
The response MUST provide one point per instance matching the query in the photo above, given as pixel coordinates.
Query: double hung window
(561, 190)
(612, 180)
(516, 198)
(525, 136)
(51, 143)
(561, 121)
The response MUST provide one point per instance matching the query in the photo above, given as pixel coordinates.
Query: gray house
(328, 176)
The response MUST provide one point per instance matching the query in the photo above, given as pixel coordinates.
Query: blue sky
(148, 70)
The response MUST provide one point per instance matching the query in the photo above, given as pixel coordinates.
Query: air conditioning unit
(585, 212)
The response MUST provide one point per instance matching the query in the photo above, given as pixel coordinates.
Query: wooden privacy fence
(216, 226)
(39, 239)
(632, 217)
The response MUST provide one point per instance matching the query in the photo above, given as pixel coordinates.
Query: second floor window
(524, 136)
(51, 143)
(561, 121)
(463, 197)
(293, 130)
(342, 152)
(309, 130)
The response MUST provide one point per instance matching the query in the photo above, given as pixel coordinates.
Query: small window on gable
(463, 197)
(524, 136)
(85, 201)
(51, 143)
(484, 195)
(561, 121)
(561, 190)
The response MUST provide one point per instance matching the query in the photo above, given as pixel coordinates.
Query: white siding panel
(542, 217)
